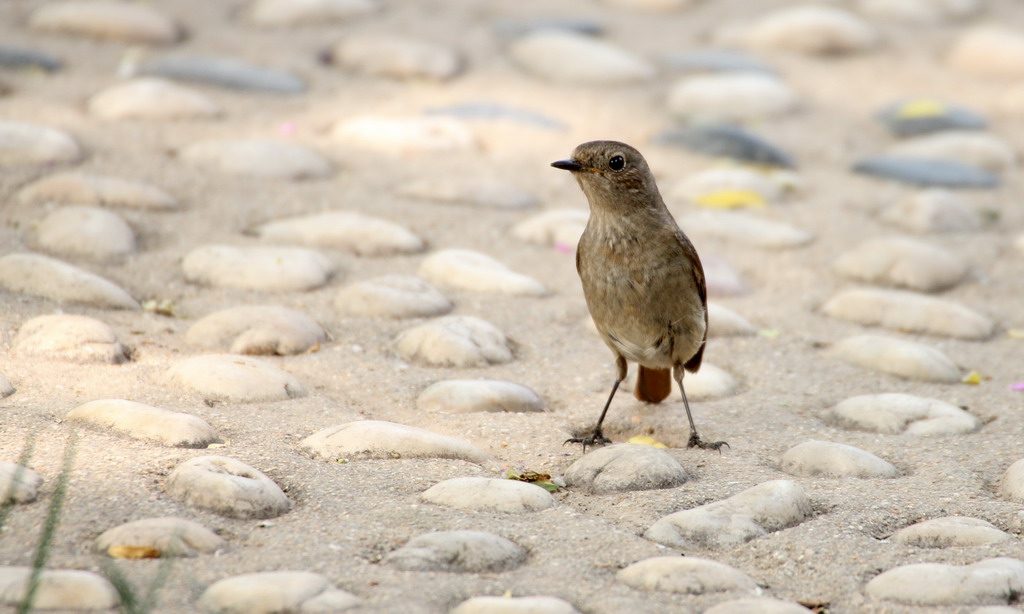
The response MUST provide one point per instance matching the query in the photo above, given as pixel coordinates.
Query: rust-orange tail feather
(653, 385)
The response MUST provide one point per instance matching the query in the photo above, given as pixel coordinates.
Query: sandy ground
(346, 517)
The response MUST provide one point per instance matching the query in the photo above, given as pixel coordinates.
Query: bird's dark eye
(617, 163)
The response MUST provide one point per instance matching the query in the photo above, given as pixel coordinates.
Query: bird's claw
(594, 439)
(696, 442)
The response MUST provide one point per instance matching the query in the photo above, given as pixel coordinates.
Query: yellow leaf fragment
(922, 108)
(731, 199)
(133, 552)
(973, 378)
(646, 440)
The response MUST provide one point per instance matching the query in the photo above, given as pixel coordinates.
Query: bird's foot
(596, 438)
(696, 442)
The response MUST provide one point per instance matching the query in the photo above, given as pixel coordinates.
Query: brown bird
(642, 278)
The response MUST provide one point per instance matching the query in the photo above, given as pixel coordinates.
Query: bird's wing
(693, 365)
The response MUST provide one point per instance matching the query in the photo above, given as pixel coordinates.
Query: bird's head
(611, 173)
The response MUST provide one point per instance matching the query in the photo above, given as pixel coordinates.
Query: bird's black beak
(568, 165)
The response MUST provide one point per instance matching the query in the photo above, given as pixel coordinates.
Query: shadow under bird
(642, 278)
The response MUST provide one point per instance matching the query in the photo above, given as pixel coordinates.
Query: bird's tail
(653, 385)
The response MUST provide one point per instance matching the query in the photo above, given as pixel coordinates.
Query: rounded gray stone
(909, 312)
(457, 552)
(397, 57)
(902, 262)
(760, 605)
(989, 50)
(289, 13)
(360, 234)
(171, 537)
(759, 510)
(906, 359)
(18, 484)
(272, 269)
(227, 487)
(731, 96)
(463, 396)
(150, 98)
(689, 575)
(625, 467)
(489, 494)
(1011, 484)
(582, 59)
(260, 158)
(6, 387)
(274, 592)
(468, 191)
(24, 144)
(934, 210)
(86, 232)
(58, 589)
(380, 439)
(141, 421)
(949, 532)
(86, 189)
(102, 19)
(812, 30)
(392, 296)
(893, 413)
(987, 582)
(70, 338)
(514, 605)
(556, 227)
(745, 228)
(224, 72)
(464, 269)
(724, 322)
(814, 458)
(456, 341)
(257, 329)
(234, 378)
(49, 278)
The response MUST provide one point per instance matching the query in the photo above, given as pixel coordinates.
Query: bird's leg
(695, 441)
(597, 438)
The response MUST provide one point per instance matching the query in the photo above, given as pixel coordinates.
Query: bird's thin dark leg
(597, 438)
(695, 441)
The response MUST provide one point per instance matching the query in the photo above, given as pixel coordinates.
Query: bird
(642, 278)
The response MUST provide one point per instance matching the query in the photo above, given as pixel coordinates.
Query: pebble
(902, 262)
(363, 235)
(989, 51)
(58, 589)
(379, 439)
(224, 72)
(71, 338)
(582, 59)
(552, 228)
(227, 487)
(489, 495)
(909, 312)
(724, 322)
(735, 96)
(690, 575)
(151, 98)
(918, 116)
(397, 57)
(514, 605)
(1011, 484)
(457, 552)
(273, 592)
(122, 21)
(893, 413)
(6, 388)
(650, 6)
(512, 28)
(744, 228)
(22, 58)
(731, 186)
(18, 483)
(926, 172)
(814, 459)
(721, 278)
(290, 13)
(471, 191)
(482, 110)
(405, 135)
(625, 467)
(971, 148)
(170, 537)
(270, 269)
(263, 158)
(464, 269)
(906, 359)
(392, 296)
(761, 605)
(989, 581)
(812, 30)
(925, 12)
(762, 509)
(950, 532)
(465, 396)
(934, 210)
(454, 341)
(257, 330)
(85, 232)
(726, 141)
(24, 144)
(84, 189)
(141, 421)
(709, 383)
(236, 378)
(38, 275)
(715, 60)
